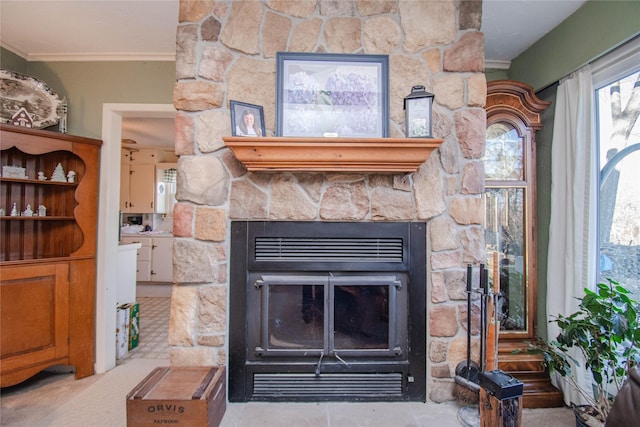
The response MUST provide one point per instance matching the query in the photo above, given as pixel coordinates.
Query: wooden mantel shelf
(388, 155)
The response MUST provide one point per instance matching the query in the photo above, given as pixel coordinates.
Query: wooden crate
(179, 396)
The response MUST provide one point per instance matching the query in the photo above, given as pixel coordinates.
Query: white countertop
(122, 247)
(148, 234)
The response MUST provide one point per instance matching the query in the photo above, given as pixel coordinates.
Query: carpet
(103, 403)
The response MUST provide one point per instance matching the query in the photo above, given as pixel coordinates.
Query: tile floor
(154, 330)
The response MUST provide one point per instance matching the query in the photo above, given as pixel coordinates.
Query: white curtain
(573, 226)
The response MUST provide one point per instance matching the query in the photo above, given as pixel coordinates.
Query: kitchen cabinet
(154, 258)
(162, 259)
(147, 156)
(138, 180)
(143, 261)
(48, 262)
(124, 187)
(143, 256)
(141, 186)
(137, 188)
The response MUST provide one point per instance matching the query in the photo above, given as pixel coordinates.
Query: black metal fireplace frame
(253, 380)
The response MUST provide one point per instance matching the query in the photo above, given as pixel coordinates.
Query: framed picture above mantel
(332, 95)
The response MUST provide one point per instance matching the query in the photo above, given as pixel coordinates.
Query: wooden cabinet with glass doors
(47, 252)
(513, 117)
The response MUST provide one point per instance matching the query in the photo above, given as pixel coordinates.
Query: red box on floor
(179, 396)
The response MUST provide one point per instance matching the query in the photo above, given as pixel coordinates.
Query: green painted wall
(591, 31)
(492, 74)
(88, 85)
(13, 62)
(543, 201)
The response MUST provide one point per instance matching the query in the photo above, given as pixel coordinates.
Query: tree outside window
(618, 109)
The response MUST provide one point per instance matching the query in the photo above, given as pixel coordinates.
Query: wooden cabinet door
(162, 260)
(34, 308)
(143, 271)
(145, 156)
(141, 188)
(124, 187)
(143, 257)
(143, 264)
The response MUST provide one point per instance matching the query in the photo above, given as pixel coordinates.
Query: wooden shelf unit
(36, 237)
(48, 281)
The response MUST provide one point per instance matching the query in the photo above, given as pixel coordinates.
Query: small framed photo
(246, 119)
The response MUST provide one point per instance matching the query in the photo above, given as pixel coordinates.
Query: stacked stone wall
(226, 51)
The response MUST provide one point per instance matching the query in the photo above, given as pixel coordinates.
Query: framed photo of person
(246, 119)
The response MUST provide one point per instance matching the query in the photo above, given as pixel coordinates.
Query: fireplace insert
(327, 311)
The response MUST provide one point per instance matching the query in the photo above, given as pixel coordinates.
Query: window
(618, 133)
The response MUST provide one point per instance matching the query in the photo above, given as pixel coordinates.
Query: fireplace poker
(484, 286)
(466, 379)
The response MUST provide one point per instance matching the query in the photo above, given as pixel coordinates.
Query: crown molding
(496, 64)
(91, 56)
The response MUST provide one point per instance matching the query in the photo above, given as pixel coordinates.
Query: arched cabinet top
(509, 97)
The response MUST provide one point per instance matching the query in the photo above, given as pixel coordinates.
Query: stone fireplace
(226, 51)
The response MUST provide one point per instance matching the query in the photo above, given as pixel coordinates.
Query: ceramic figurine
(14, 210)
(62, 125)
(41, 176)
(2, 212)
(58, 174)
(28, 211)
(71, 176)
(42, 211)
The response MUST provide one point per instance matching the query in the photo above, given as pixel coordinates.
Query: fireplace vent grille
(351, 385)
(330, 249)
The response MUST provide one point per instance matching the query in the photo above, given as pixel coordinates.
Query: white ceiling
(90, 30)
(512, 26)
(110, 30)
(148, 131)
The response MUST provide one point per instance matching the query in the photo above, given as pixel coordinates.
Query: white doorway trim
(109, 222)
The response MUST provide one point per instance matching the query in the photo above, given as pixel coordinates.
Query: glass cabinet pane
(503, 159)
(505, 234)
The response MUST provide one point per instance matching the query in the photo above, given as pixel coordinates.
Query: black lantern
(417, 110)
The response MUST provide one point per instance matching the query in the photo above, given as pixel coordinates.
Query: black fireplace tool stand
(499, 394)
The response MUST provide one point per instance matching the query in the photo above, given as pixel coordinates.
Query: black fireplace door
(326, 318)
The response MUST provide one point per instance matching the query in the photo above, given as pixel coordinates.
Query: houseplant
(605, 331)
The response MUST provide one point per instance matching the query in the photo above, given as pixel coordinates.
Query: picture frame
(241, 114)
(332, 95)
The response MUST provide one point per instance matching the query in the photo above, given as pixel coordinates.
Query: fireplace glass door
(327, 315)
